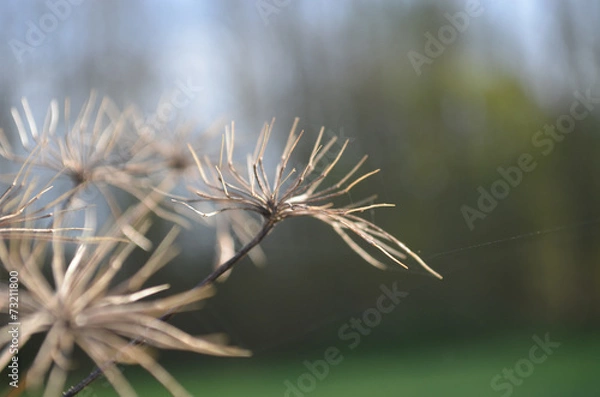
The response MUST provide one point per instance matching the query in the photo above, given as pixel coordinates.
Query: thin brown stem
(219, 271)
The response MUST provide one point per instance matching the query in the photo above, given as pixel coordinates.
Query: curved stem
(216, 273)
(224, 267)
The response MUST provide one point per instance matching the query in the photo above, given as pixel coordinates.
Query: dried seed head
(161, 147)
(82, 306)
(295, 193)
(95, 151)
(87, 150)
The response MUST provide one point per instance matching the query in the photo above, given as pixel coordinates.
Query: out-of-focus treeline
(439, 132)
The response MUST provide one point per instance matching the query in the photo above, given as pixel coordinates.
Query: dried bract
(18, 210)
(293, 193)
(82, 306)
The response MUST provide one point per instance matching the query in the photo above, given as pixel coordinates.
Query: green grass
(464, 369)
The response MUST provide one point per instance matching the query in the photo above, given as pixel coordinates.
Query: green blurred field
(462, 369)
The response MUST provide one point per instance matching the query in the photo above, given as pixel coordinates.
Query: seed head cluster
(295, 193)
(79, 285)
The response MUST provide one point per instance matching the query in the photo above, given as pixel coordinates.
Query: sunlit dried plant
(18, 211)
(14, 203)
(89, 150)
(82, 306)
(83, 302)
(295, 193)
(165, 150)
(162, 147)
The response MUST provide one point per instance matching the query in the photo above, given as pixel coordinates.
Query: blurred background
(448, 98)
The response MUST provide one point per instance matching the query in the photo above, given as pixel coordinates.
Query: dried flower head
(295, 193)
(82, 306)
(164, 151)
(91, 152)
(87, 150)
(161, 147)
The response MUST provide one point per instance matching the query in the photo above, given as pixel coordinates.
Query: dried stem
(212, 277)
